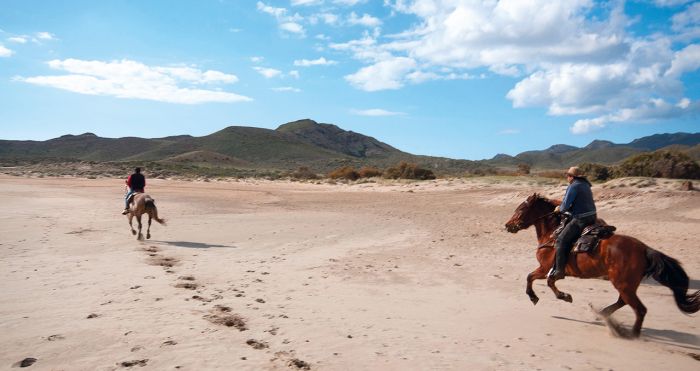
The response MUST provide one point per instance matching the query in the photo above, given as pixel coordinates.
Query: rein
(550, 242)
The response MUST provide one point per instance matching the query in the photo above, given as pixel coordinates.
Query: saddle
(591, 237)
(131, 198)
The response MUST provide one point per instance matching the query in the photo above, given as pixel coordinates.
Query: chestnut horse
(624, 260)
(143, 204)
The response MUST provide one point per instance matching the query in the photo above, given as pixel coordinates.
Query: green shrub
(303, 172)
(660, 164)
(596, 172)
(405, 170)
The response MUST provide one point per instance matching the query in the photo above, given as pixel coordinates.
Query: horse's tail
(152, 210)
(668, 272)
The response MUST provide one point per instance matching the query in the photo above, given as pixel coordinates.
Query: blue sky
(455, 78)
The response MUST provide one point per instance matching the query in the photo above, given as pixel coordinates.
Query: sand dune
(280, 275)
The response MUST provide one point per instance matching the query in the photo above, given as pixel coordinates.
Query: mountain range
(319, 146)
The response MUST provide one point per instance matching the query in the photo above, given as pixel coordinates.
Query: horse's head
(528, 212)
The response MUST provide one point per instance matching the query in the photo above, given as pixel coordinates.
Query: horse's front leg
(560, 294)
(140, 235)
(131, 224)
(537, 274)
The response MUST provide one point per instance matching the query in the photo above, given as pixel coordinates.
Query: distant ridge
(600, 151)
(319, 146)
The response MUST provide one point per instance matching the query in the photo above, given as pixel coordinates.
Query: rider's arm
(569, 198)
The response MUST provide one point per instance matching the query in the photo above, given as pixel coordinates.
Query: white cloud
(268, 72)
(327, 18)
(287, 89)
(134, 80)
(306, 2)
(654, 109)
(257, 59)
(671, 3)
(294, 74)
(348, 2)
(5, 52)
(376, 112)
(292, 27)
(315, 62)
(45, 36)
(365, 20)
(277, 12)
(574, 57)
(18, 39)
(387, 74)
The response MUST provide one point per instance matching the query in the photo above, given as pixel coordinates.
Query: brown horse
(143, 204)
(624, 260)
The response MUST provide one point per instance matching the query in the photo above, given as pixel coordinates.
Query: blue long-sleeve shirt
(578, 199)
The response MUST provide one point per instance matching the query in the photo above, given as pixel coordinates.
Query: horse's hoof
(534, 300)
(567, 298)
(133, 232)
(148, 236)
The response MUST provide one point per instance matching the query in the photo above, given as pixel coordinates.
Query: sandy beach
(263, 275)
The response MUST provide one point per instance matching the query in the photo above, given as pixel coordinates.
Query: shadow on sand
(669, 337)
(193, 245)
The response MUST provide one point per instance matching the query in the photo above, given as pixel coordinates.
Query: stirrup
(555, 275)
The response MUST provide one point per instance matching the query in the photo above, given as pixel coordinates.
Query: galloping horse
(143, 204)
(624, 260)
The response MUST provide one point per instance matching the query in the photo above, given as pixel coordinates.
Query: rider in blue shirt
(578, 201)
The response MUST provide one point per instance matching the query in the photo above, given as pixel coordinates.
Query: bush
(523, 169)
(304, 173)
(405, 170)
(345, 172)
(660, 164)
(596, 172)
(369, 172)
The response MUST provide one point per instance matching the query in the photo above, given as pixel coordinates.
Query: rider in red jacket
(136, 183)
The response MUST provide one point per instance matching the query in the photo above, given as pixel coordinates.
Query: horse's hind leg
(131, 224)
(537, 274)
(140, 235)
(560, 294)
(148, 231)
(610, 309)
(630, 297)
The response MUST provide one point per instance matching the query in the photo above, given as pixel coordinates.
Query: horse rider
(135, 183)
(578, 202)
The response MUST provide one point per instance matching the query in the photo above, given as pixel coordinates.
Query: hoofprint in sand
(280, 275)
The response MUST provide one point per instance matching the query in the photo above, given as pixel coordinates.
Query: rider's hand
(556, 209)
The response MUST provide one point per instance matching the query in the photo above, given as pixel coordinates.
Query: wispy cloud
(135, 80)
(294, 74)
(377, 112)
(268, 72)
(5, 52)
(349, 2)
(365, 20)
(45, 36)
(257, 59)
(306, 2)
(18, 39)
(286, 23)
(287, 89)
(315, 62)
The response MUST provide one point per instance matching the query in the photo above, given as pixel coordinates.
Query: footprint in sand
(257, 344)
(163, 261)
(136, 362)
(221, 315)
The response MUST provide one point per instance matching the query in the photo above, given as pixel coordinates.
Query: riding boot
(560, 265)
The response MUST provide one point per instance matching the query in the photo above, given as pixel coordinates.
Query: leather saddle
(131, 198)
(591, 237)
